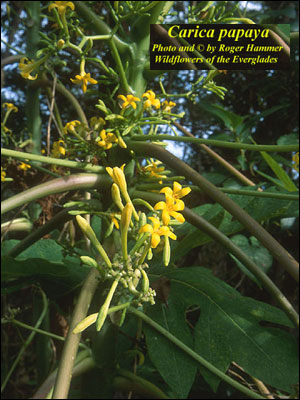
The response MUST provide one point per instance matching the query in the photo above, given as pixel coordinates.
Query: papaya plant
(96, 208)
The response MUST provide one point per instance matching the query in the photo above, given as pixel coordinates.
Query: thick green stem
(72, 182)
(51, 160)
(64, 375)
(195, 355)
(220, 143)
(274, 247)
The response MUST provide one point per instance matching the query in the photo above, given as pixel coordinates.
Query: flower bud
(85, 323)
(104, 309)
(115, 193)
(145, 285)
(90, 234)
(60, 44)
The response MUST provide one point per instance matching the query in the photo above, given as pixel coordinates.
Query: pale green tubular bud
(89, 261)
(125, 222)
(167, 252)
(116, 196)
(85, 323)
(104, 309)
(90, 234)
(145, 284)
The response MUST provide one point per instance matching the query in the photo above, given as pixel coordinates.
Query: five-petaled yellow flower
(129, 100)
(71, 126)
(107, 140)
(170, 209)
(177, 192)
(58, 149)
(157, 231)
(26, 66)
(10, 106)
(168, 105)
(61, 6)
(84, 79)
(151, 100)
(24, 166)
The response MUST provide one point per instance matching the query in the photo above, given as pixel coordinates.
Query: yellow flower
(151, 100)
(10, 106)
(153, 170)
(170, 209)
(129, 100)
(97, 122)
(3, 175)
(168, 105)
(114, 218)
(157, 231)
(61, 6)
(107, 140)
(26, 67)
(84, 79)
(58, 149)
(70, 126)
(24, 166)
(177, 192)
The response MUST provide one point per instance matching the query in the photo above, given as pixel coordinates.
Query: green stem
(64, 184)
(27, 342)
(64, 375)
(51, 160)
(194, 355)
(99, 26)
(220, 143)
(131, 382)
(244, 192)
(123, 79)
(42, 332)
(267, 240)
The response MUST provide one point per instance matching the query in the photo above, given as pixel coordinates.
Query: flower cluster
(169, 208)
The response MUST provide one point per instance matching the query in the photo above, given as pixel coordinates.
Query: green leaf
(292, 138)
(177, 369)
(254, 250)
(279, 172)
(44, 263)
(229, 328)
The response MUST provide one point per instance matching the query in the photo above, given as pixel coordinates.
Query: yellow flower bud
(116, 196)
(145, 285)
(125, 222)
(60, 44)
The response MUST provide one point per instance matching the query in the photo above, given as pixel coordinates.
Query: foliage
(103, 227)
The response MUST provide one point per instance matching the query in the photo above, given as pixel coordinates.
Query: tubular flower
(168, 105)
(10, 106)
(26, 67)
(84, 79)
(151, 100)
(157, 231)
(61, 6)
(107, 140)
(70, 126)
(118, 176)
(58, 149)
(129, 100)
(177, 192)
(170, 209)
